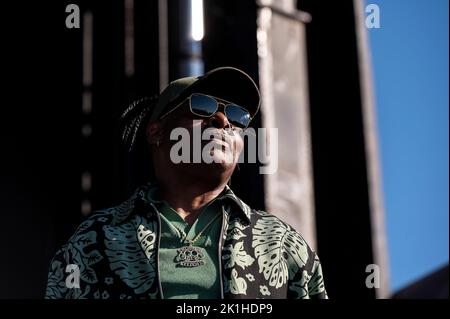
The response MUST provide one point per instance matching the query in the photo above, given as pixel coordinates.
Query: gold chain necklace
(189, 255)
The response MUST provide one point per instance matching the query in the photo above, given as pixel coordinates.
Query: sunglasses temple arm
(172, 110)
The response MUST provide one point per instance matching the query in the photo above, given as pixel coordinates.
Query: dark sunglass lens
(203, 105)
(237, 115)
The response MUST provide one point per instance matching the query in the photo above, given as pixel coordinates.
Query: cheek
(238, 143)
(181, 123)
(187, 123)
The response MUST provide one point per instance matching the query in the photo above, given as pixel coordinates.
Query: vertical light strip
(86, 207)
(374, 174)
(163, 44)
(129, 37)
(86, 187)
(87, 48)
(86, 100)
(281, 40)
(86, 181)
(197, 29)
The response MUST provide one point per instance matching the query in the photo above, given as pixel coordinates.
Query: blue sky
(410, 70)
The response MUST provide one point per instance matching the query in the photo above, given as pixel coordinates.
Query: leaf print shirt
(115, 254)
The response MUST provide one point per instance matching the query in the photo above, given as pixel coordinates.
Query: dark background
(44, 152)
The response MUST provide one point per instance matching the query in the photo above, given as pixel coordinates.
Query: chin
(223, 157)
(219, 166)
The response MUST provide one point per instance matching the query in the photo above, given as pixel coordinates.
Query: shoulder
(79, 255)
(113, 216)
(86, 252)
(303, 264)
(92, 227)
(268, 226)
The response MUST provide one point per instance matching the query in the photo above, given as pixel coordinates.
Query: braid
(133, 117)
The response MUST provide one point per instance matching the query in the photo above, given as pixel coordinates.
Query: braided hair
(134, 119)
(132, 124)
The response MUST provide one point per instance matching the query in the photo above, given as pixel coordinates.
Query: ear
(154, 132)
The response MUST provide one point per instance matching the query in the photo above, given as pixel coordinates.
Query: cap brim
(229, 84)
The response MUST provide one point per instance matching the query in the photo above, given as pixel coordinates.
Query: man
(186, 235)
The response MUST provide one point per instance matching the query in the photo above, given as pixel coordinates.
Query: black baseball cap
(227, 83)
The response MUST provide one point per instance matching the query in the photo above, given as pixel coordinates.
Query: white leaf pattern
(237, 285)
(280, 251)
(236, 228)
(238, 256)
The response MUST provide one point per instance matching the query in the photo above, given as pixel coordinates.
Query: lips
(222, 139)
(219, 143)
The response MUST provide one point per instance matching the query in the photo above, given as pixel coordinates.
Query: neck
(189, 198)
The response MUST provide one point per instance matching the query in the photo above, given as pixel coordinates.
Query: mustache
(220, 135)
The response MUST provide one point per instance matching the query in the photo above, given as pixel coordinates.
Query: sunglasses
(205, 106)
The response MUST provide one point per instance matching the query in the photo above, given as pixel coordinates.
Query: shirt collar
(147, 194)
(242, 208)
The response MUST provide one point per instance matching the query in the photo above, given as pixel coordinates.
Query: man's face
(212, 141)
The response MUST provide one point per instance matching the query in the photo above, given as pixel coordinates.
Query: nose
(219, 120)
